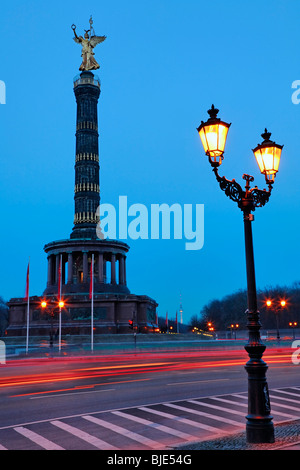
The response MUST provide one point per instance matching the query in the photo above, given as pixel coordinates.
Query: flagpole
(59, 280)
(27, 294)
(92, 303)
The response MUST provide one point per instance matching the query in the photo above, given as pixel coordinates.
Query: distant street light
(213, 134)
(234, 327)
(51, 306)
(293, 325)
(276, 306)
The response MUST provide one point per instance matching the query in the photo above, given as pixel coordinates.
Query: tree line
(3, 316)
(230, 310)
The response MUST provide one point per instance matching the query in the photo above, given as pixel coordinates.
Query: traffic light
(130, 324)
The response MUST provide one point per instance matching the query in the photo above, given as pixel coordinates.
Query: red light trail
(118, 366)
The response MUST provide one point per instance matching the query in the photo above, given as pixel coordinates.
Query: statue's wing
(96, 40)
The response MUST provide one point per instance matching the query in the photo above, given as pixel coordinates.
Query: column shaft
(113, 269)
(121, 270)
(85, 266)
(100, 267)
(70, 268)
(49, 280)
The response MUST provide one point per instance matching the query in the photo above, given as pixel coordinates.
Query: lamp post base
(257, 433)
(259, 426)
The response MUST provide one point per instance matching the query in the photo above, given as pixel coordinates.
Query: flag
(92, 278)
(27, 283)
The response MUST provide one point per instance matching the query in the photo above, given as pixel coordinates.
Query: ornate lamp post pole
(213, 134)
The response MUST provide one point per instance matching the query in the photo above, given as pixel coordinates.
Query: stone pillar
(100, 268)
(125, 282)
(113, 268)
(121, 269)
(87, 92)
(63, 271)
(50, 261)
(85, 266)
(104, 271)
(70, 268)
(56, 268)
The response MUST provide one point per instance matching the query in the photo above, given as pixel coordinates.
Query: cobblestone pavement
(287, 437)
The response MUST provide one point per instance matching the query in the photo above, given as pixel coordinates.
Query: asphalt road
(36, 391)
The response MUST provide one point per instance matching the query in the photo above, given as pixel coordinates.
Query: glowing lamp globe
(213, 135)
(268, 155)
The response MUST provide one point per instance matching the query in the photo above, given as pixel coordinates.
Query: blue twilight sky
(163, 64)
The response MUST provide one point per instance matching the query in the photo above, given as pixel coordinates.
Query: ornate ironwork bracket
(247, 200)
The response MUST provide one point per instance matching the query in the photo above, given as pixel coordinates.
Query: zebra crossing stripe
(159, 427)
(84, 436)
(274, 412)
(230, 402)
(290, 400)
(207, 415)
(289, 407)
(124, 432)
(189, 422)
(216, 407)
(37, 439)
(288, 393)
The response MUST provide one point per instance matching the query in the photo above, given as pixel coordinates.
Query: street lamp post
(60, 304)
(276, 309)
(213, 134)
(234, 328)
(293, 325)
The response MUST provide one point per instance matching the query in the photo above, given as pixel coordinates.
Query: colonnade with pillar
(109, 267)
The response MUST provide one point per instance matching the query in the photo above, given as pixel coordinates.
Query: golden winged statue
(88, 42)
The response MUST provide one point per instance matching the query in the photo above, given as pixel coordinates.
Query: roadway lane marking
(124, 432)
(75, 389)
(159, 427)
(189, 422)
(198, 381)
(84, 436)
(71, 393)
(129, 366)
(202, 413)
(37, 439)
